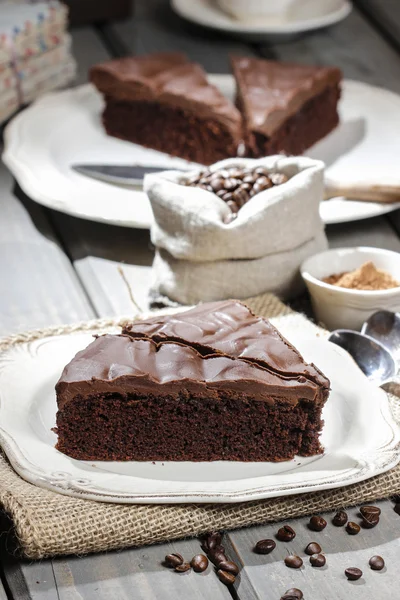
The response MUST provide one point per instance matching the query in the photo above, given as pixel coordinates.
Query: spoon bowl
(374, 360)
(384, 326)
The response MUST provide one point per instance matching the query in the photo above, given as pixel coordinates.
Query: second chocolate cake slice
(286, 107)
(165, 102)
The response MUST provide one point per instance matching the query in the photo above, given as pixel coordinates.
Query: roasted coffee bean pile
(236, 186)
(226, 569)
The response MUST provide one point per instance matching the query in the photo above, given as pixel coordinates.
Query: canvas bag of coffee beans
(229, 231)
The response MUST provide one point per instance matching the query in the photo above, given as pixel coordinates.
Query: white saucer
(41, 144)
(308, 16)
(360, 437)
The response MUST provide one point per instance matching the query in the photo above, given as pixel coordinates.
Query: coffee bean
(286, 534)
(376, 563)
(209, 189)
(232, 205)
(226, 578)
(217, 555)
(395, 498)
(293, 562)
(205, 180)
(397, 508)
(236, 173)
(182, 568)
(246, 187)
(370, 512)
(240, 197)
(261, 171)
(317, 523)
(278, 178)
(353, 573)
(318, 560)
(370, 522)
(217, 184)
(250, 179)
(211, 540)
(292, 594)
(352, 528)
(264, 546)
(340, 518)
(229, 566)
(199, 563)
(173, 560)
(231, 184)
(313, 548)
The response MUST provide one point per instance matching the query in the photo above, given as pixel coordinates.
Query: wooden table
(58, 269)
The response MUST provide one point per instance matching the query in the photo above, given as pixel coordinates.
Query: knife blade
(125, 175)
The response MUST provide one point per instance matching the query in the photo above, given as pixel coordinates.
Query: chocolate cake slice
(286, 107)
(213, 383)
(164, 102)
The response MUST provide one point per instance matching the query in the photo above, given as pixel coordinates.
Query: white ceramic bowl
(341, 308)
(248, 9)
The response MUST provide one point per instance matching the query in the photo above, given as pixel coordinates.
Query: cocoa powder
(366, 277)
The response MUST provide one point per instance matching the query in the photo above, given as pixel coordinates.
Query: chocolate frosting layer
(270, 92)
(229, 327)
(167, 78)
(120, 364)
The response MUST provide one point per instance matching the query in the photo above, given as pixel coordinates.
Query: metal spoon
(384, 326)
(375, 361)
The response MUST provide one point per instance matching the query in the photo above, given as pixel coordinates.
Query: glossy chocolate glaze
(167, 78)
(270, 92)
(229, 327)
(123, 365)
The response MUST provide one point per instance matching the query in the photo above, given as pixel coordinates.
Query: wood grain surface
(55, 268)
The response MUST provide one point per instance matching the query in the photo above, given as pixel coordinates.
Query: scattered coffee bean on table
(317, 560)
(229, 566)
(217, 555)
(376, 563)
(236, 185)
(286, 534)
(199, 563)
(317, 523)
(226, 578)
(370, 522)
(183, 567)
(293, 594)
(264, 546)
(353, 573)
(293, 562)
(313, 548)
(352, 528)
(173, 560)
(340, 518)
(370, 511)
(397, 508)
(212, 540)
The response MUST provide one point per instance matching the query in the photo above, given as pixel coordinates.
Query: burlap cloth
(48, 524)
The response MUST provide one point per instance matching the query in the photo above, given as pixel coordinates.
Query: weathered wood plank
(155, 27)
(38, 284)
(376, 232)
(136, 573)
(97, 251)
(385, 14)
(353, 45)
(267, 577)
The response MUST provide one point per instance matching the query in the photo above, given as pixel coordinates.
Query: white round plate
(360, 438)
(64, 128)
(308, 16)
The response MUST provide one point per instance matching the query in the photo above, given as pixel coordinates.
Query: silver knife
(119, 174)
